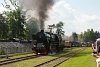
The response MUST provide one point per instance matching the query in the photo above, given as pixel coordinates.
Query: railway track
(5, 56)
(61, 59)
(55, 62)
(17, 59)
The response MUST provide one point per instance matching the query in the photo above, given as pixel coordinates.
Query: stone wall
(16, 47)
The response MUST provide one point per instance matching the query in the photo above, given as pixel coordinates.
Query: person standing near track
(94, 48)
(96, 51)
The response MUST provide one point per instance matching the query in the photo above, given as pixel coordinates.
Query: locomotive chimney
(42, 24)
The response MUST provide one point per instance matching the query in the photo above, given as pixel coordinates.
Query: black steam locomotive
(46, 42)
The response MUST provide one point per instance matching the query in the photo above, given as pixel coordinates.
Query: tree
(75, 36)
(81, 37)
(89, 35)
(3, 27)
(15, 20)
(59, 27)
(16, 23)
(97, 35)
(32, 27)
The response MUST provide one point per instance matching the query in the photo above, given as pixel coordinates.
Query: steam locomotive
(46, 42)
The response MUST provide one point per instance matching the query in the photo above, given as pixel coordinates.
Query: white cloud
(62, 11)
(88, 18)
(2, 9)
(85, 22)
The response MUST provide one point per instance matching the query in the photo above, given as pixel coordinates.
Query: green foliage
(74, 36)
(3, 27)
(80, 37)
(16, 23)
(89, 35)
(14, 20)
(32, 27)
(59, 27)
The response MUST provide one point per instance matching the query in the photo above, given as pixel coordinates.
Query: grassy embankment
(84, 59)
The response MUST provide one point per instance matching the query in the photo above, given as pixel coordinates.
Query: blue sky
(77, 15)
(85, 6)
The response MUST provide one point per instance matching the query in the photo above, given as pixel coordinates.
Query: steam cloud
(40, 7)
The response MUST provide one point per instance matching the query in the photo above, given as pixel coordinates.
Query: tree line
(14, 24)
(87, 36)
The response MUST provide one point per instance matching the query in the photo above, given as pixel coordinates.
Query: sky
(77, 15)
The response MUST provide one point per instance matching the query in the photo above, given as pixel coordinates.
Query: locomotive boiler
(46, 42)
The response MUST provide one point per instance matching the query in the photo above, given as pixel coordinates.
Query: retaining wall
(16, 47)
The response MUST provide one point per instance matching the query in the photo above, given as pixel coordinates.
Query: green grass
(35, 61)
(84, 59)
(16, 56)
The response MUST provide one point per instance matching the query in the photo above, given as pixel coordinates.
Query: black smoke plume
(40, 7)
